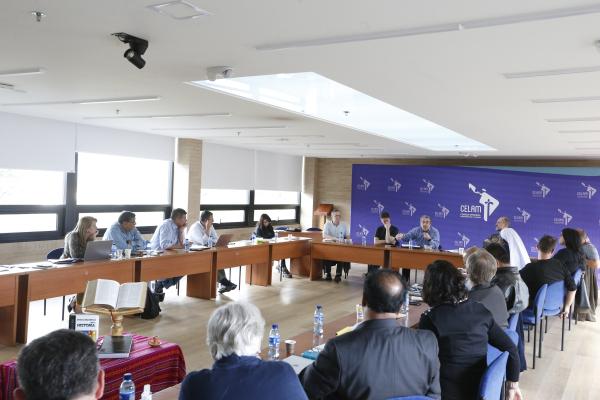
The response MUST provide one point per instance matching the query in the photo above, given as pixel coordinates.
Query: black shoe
(338, 278)
(161, 297)
(72, 302)
(159, 287)
(227, 286)
(286, 272)
(328, 277)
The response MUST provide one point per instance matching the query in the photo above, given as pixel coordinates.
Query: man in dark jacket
(379, 359)
(508, 280)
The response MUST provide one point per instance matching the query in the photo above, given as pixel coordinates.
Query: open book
(104, 293)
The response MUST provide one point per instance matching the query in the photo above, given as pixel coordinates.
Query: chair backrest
(538, 304)
(492, 380)
(512, 322)
(411, 398)
(555, 297)
(54, 254)
(314, 230)
(282, 228)
(493, 352)
(577, 277)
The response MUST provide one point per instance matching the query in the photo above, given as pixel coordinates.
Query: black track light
(137, 47)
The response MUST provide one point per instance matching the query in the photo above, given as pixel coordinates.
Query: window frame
(67, 213)
(249, 212)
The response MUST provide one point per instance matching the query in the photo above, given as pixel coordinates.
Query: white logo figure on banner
(363, 232)
(566, 217)
(543, 188)
(524, 214)
(444, 211)
(395, 185)
(464, 239)
(591, 191)
(411, 209)
(364, 185)
(428, 186)
(488, 202)
(380, 207)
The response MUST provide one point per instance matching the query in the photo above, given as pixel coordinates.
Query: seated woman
(75, 243)
(264, 229)
(234, 335)
(481, 268)
(571, 255)
(463, 329)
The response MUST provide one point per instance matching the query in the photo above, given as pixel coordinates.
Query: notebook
(115, 347)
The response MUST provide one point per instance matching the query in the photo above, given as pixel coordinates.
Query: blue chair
(411, 398)
(533, 316)
(282, 228)
(555, 298)
(577, 276)
(512, 322)
(493, 352)
(492, 381)
(52, 255)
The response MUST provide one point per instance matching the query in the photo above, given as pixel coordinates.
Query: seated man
(234, 335)
(380, 359)
(507, 278)
(385, 234)
(517, 251)
(169, 236)
(422, 235)
(124, 234)
(203, 233)
(335, 230)
(548, 270)
(61, 365)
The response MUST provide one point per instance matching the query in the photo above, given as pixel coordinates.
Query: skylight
(315, 96)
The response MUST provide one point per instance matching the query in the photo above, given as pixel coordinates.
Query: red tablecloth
(161, 367)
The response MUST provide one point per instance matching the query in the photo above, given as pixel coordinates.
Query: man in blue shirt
(169, 236)
(422, 235)
(124, 234)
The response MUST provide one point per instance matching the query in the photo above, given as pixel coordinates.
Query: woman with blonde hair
(75, 242)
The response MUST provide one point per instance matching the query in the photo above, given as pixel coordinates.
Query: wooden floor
(570, 375)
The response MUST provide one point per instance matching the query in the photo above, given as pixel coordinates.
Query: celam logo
(588, 193)
(523, 216)
(410, 210)
(443, 213)
(542, 192)
(364, 185)
(395, 186)
(463, 241)
(428, 188)
(488, 205)
(379, 207)
(564, 219)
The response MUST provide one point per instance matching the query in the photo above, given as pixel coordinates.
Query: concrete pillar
(309, 195)
(187, 179)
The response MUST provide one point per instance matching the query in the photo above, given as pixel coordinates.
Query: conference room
(275, 161)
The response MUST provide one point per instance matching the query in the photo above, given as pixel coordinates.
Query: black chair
(52, 255)
(313, 229)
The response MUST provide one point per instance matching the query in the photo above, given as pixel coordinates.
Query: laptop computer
(224, 240)
(98, 250)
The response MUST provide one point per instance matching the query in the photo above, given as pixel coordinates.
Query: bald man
(400, 361)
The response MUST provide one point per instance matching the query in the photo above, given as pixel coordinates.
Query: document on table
(298, 363)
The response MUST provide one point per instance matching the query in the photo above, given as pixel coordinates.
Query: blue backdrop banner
(464, 203)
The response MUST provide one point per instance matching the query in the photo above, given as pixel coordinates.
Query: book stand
(116, 317)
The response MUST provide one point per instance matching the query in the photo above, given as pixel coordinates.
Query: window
(147, 219)
(228, 216)
(224, 196)
(21, 187)
(276, 197)
(18, 223)
(282, 214)
(107, 179)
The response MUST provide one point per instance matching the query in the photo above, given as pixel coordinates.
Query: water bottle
(405, 303)
(276, 235)
(186, 245)
(209, 242)
(410, 244)
(318, 321)
(253, 238)
(341, 237)
(146, 394)
(364, 240)
(113, 250)
(274, 340)
(360, 314)
(127, 389)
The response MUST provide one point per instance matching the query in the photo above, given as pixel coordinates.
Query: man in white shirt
(335, 230)
(518, 252)
(203, 233)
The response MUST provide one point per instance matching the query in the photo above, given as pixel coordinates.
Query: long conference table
(25, 283)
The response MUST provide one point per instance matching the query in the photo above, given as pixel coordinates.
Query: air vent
(179, 10)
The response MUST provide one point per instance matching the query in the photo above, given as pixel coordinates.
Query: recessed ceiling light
(90, 101)
(551, 72)
(449, 27)
(574, 119)
(162, 116)
(223, 128)
(179, 10)
(565, 99)
(580, 131)
(23, 72)
(315, 96)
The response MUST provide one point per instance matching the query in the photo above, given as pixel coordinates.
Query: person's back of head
(499, 253)
(572, 239)
(62, 365)
(481, 267)
(384, 291)
(547, 244)
(443, 283)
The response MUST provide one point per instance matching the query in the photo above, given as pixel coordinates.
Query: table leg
(8, 327)
(316, 270)
(300, 266)
(22, 309)
(199, 285)
(260, 273)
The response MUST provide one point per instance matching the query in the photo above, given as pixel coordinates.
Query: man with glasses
(124, 234)
(335, 230)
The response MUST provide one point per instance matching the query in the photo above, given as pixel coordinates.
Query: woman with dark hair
(592, 260)
(463, 329)
(571, 255)
(264, 229)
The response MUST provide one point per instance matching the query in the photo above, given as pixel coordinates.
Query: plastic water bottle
(186, 245)
(405, 303)
(318, 321)
(341, 237)
(410, 244)
(363, 240)
(146, 394)
(127, 389)
(209, 242)
(113, 250)
(360, 314)
(276, 235)
(253, 238)
(274, 340)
